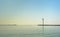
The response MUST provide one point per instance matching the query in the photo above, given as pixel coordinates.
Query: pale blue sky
(29, 11)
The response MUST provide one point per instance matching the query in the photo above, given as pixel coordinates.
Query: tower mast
(43, 21)
(43, 27)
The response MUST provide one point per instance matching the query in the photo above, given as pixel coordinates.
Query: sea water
(29, 31)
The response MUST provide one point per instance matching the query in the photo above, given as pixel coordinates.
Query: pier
(47, 24)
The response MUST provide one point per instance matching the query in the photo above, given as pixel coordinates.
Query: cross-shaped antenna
(43, 21)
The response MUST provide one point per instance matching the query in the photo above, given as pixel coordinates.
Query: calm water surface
(29, 31)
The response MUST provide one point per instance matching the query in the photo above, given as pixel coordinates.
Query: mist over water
(29, 31)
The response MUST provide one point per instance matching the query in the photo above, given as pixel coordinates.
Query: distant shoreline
(7, 24)
(49, 25)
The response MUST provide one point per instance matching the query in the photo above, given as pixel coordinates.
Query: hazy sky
(29, 11)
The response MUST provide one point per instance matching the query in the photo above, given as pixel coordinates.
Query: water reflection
(29, 31)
